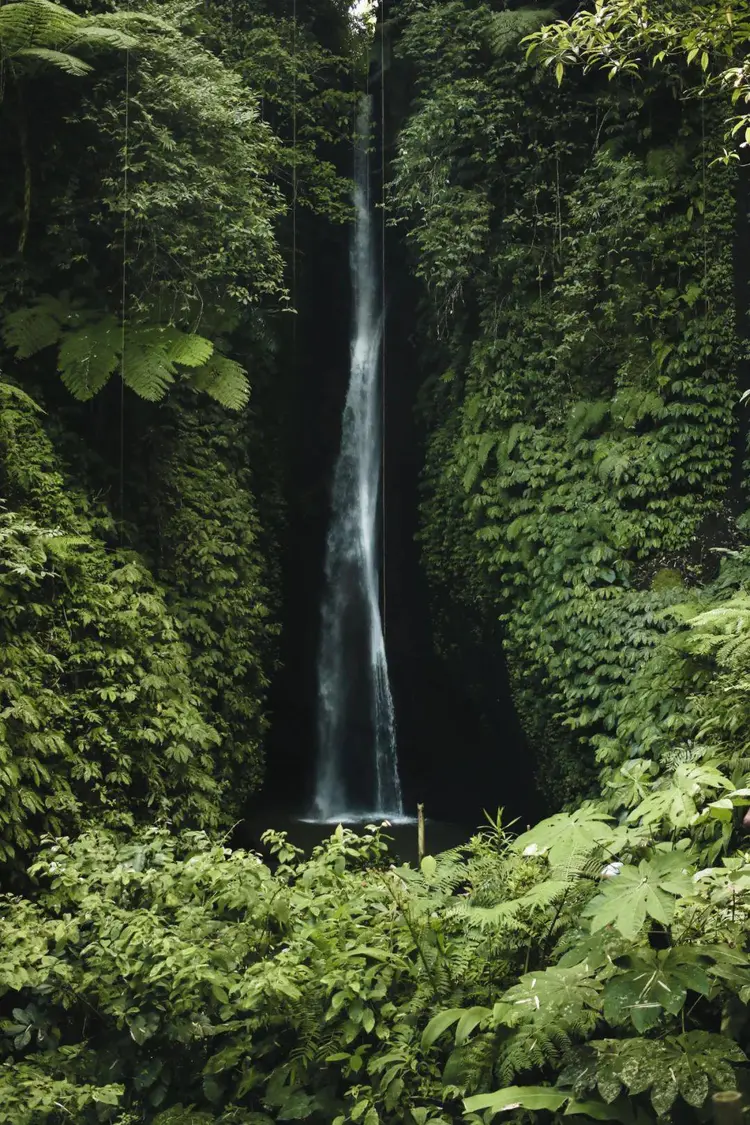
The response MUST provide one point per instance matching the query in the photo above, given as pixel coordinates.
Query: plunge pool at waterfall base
(307, 833)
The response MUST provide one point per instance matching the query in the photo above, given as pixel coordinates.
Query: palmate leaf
(566, 835)
(657, 982)
(568, 996)
(689, 1065)
(678, 802)
(648, 890)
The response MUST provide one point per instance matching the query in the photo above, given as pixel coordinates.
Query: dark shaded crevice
(461, 748)
(315, 368)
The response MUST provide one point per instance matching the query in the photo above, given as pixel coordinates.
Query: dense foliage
(576, 246)
(572, 204)
(150, 182)
(588, 967)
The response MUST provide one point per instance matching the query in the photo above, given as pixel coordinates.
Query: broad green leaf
(469, 1021)
(439, 1024)
(518, 1097)
(566, 835)
(647, 890)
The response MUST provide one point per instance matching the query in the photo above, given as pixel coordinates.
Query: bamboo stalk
(420, 836)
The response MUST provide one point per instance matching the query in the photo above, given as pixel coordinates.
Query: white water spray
(355, 706)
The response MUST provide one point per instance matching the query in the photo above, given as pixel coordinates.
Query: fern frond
(89, 356)
(224, 380)
(147, 370)
(30, 330)
(187, 349)
(91, 351)
(36, 23)
(529, 1048)
(42, 32)
(93, 35)
(60, 60)
(488, 917)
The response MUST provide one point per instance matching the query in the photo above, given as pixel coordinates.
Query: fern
(527, 1048)
(59, 60)
(224, 380)
(34, 32)
(88, 357)
(149, 357)
(32, 23)
(187, 350)
(30, 330)
(508, 28)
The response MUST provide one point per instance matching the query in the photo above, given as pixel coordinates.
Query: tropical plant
(581, 314)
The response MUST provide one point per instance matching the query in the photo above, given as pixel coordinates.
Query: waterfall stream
(357, 758)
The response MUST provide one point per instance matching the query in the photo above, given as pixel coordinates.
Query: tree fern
(149, 357)
(34, 32)
(88, 356)
(507, 28)
(29, 330)
(35, 23)
(58, 60)
(223, 379)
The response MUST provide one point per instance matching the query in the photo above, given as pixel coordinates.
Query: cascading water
(357, 764)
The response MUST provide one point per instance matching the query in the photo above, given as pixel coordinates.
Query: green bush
(575, 246)
(98, 709)
(587, 964)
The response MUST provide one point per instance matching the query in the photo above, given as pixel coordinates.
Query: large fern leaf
(146, 369)
(91, 350)
(30, 330)
(44, 33)
(89, 356)
(60, 60)
(224, 380)
(36, 23)
(93, 35)
(188, 350)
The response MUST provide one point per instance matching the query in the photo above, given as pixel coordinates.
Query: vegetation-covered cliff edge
(571, 186)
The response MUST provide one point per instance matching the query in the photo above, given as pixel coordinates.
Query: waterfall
(357, 758)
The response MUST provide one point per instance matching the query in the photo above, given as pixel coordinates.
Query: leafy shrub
(587, 964)
(581, 314)
(99, 713)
